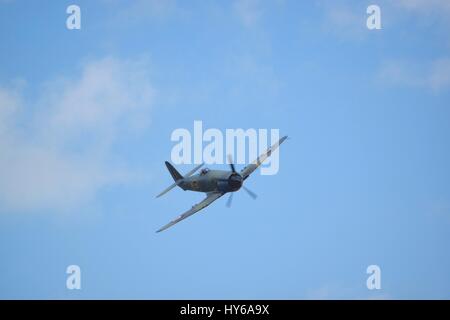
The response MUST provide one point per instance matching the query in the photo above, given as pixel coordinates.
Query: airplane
(215, 183)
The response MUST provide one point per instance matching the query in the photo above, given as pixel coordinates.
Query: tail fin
(177, 177)
(175, 174)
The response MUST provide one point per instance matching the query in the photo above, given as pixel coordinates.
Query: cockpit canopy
(204, 171)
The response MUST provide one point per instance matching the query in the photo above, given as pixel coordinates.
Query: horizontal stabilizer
(190, 173)
(167, 190)
(177, 177)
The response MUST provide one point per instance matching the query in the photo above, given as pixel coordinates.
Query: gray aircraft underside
(215, 183)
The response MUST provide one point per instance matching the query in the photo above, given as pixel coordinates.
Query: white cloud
(433, 76)
(56, 152)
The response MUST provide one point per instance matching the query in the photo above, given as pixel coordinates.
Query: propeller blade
(250, 193)
(230, 160)
(230, 200)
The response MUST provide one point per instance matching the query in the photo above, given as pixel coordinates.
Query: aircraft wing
(245, 173)
(210, 198)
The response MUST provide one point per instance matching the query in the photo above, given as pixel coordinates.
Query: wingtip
(164, 228)
(161, 229)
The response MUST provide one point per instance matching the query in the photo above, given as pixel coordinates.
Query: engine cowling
(233, 183)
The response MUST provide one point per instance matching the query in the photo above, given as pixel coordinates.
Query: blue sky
(85, 123)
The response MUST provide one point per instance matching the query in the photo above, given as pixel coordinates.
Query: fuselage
(213, 181)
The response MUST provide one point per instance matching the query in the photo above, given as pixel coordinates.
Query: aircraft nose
(235, 182)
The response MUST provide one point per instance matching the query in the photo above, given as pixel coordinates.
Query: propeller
(230, 160)
(230, 200)
(249, 192)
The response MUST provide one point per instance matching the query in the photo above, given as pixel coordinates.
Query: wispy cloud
(433, 76)
(61, 155)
